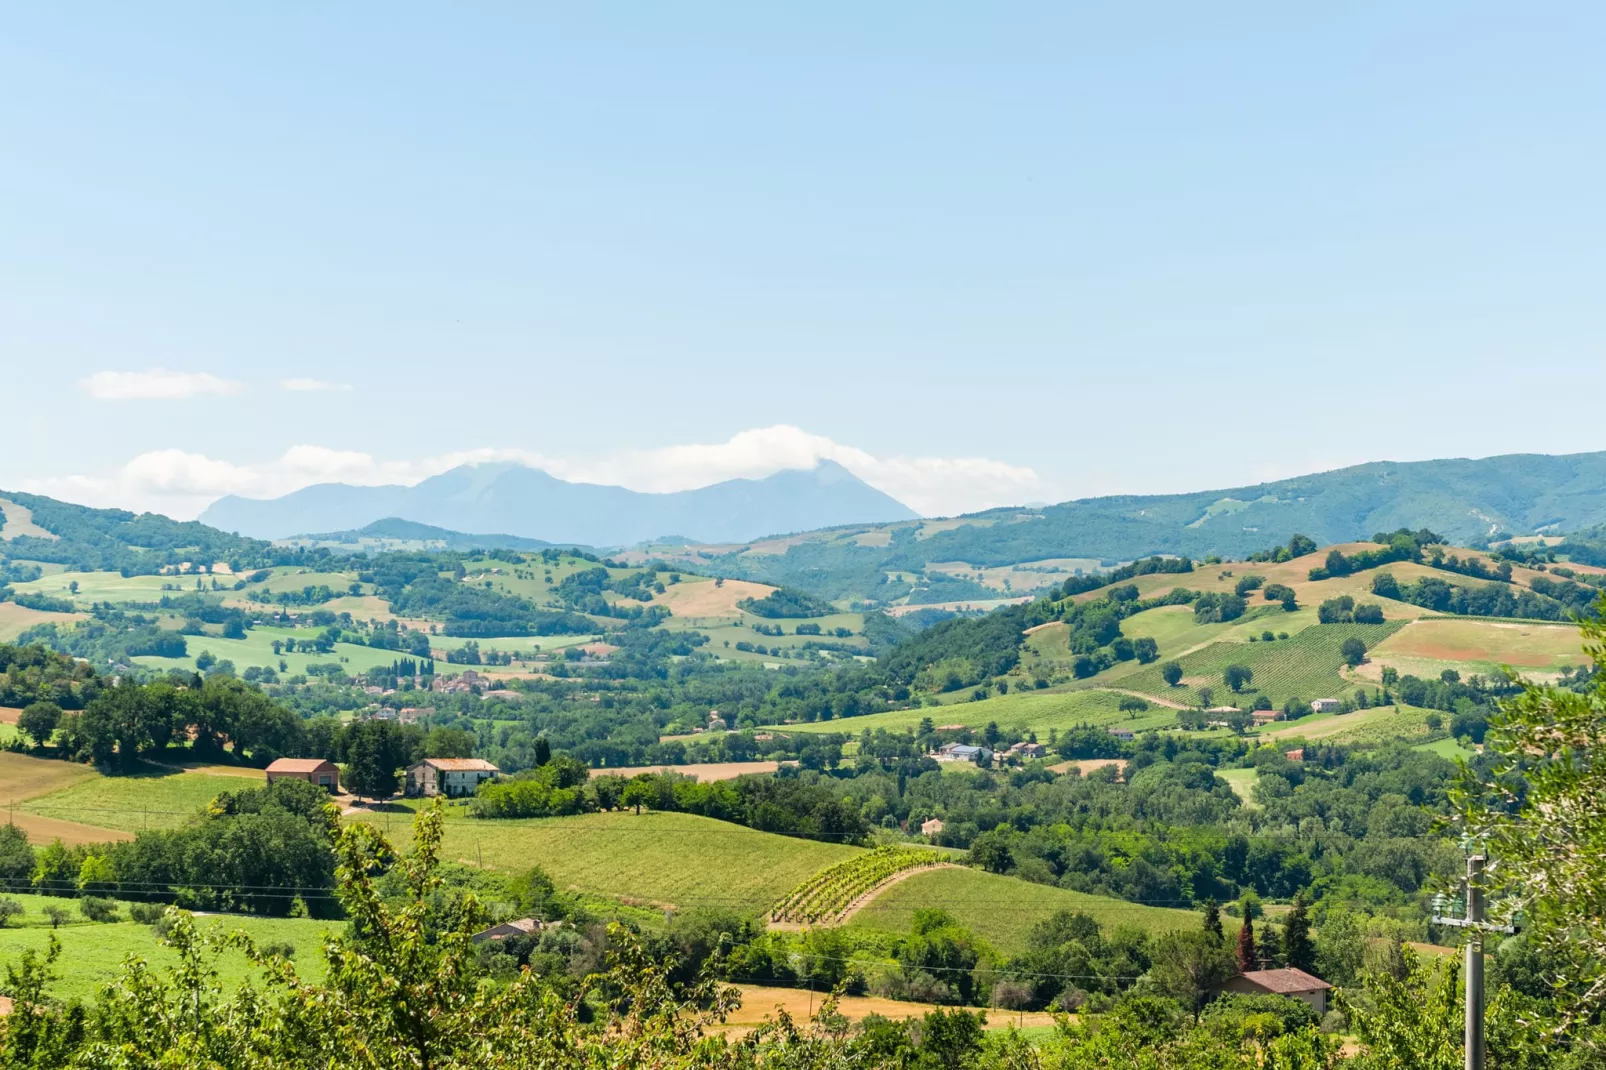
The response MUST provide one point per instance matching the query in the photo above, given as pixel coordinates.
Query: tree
(57, 914)
(1189, 967)
(1300, 545)
(991, 851)
(1207, 695)
(374, 751)
(1212, 920)
(1146, 649)
(1237, 677)
(1540, 808)
(1171, 673)
(9, 908)
(1246, 955)
(39, 721)
(638, 792)
(543, 751)
(1353, 651)
(1298, 949)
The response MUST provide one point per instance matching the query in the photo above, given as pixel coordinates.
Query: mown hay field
(1488, 642)
(151, 799)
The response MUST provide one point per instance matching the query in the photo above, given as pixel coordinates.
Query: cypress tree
(1298, 948)
(1246, 944)
(1212, 920)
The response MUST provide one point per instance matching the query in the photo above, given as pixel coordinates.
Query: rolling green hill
(1469, 501)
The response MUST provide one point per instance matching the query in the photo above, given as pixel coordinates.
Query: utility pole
(1474, 1036)
(1474, 923)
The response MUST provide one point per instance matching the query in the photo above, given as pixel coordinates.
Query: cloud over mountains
(181, 483)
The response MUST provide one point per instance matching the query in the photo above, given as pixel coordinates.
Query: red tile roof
(1286, 981)
(297, 765)
(461, 765)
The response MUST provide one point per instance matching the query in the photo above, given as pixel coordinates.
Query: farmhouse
(1326, 705)
(317, 771)
(1265, 716)
(1121, 733)
(1291, 982)
(518, 927)
(963, 752)
(1028, 751)
(452, 777)
(931, 828)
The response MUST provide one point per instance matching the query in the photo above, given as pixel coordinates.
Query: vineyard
(1306, 665)
(825, 897)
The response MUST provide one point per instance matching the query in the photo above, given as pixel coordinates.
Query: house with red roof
(1291, 982)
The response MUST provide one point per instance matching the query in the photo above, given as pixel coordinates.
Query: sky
(981, 254)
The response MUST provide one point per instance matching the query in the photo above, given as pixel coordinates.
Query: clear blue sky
(1150, 247)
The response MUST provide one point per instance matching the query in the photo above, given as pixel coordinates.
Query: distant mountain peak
(516, 499)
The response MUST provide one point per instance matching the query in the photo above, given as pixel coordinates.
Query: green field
(1037, 711)
(518, 645)
(1449, 749)
(142, 801)
(110, 586)
(1002, 910)
(1242, 782)
(257, 649)
(658, 859)
(93, 953)
(1306, 665)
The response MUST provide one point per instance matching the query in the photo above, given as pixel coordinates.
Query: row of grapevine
(826, 896)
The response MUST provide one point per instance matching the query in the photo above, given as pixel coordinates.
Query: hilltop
(1006, 553)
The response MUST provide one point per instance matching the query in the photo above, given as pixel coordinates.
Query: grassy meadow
(93, 952)
(1306, 665)
(150, 799)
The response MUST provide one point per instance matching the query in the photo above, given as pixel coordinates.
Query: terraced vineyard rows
(1305, 665)
(825, 897)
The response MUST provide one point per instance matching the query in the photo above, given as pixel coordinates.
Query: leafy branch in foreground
(1541, 815)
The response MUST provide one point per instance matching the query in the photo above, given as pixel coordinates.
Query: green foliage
(1540, 807)
(786, 602)
(120, 541)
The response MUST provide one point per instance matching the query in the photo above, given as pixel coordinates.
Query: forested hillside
(1470, 502)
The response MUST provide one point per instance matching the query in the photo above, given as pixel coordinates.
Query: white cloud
(181, 483)
(156, 384)
(306, 385)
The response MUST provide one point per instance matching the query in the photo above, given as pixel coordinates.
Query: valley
(1111, 745)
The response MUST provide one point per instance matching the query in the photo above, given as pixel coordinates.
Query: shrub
(95, 908)
(9, 908)
(146, 913)
(278, 949)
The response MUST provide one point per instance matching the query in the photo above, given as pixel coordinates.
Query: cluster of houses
(453, 778)
(980, 755)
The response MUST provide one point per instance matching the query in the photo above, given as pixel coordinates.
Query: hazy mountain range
(529, 503)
